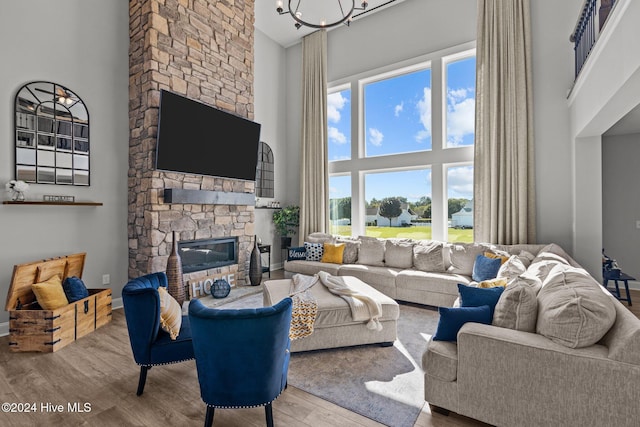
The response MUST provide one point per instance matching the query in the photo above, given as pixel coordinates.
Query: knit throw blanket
(363, 307)
(305, 306)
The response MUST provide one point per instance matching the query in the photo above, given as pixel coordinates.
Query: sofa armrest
(508, 377)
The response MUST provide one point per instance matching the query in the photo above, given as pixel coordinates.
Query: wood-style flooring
(99, 370)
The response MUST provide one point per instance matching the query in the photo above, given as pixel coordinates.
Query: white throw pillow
(428, 256)
(371, 251)
(398, 253)
(517, 307)
(513, 267)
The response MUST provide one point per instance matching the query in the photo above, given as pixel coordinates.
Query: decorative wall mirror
(52, 135)
(264, 172)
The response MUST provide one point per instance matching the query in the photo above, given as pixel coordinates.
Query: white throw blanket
(305, 307)
(363, 307)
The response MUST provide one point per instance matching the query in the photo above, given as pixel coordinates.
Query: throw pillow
(485, 268)
(50, 294)
(398, 253)
(319, 238)
(351, 247)
(371, 251)
(332, 253)
(517, 307)
(463, 256)
(297, 253)
(452, 319)
(170, 313)
(74, 288)
(428, 256)
(502, 256)
(513, 267)
(492, 283)
(573, 309)
(314, 251)
(471, 296)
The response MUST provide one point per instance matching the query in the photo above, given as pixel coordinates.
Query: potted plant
(286, 221)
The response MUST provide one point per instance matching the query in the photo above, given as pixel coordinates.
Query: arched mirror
(52, 135)
(264, 172)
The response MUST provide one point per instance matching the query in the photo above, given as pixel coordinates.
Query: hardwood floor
(99, 370)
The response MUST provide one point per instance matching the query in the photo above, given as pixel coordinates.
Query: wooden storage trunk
(34, 329)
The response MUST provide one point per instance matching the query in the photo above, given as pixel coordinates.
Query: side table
(265, 249)
(623, 277)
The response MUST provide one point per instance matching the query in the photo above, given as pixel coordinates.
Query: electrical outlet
(106, 279)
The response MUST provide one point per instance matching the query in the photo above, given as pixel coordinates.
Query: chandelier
(321, 14)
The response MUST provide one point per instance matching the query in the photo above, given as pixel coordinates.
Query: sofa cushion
(428, 256)
(452, 319)
(332, 252)
(351, 247)
(573, 309)
(517, 307)
(319, 238)
(447, 283)
(314, 251)
(463, 256)
(371, 251)
(513, 267)
(398, 253)
(485, 268)
(310, 268)
(380, 278)
(440, 360)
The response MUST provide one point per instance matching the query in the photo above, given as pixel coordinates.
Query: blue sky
(398, 120)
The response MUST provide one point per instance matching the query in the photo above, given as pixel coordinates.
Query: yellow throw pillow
(503, 258)
(170, 313)
(332, 252)
(50, 294)
(492, 283)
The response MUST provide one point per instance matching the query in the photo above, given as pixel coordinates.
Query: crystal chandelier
(320, 14)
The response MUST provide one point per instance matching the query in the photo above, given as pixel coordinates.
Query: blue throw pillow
(74, 289)
(471, 296)
(298, 253)
(485, 268)
(452, 319)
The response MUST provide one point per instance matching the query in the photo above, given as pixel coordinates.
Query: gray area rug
(381, 383)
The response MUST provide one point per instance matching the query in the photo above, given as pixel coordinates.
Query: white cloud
(399, 109)
(424, 109)
(375, 137)
(460, 115)
(336, 136)
(335, 103)
(460, 182)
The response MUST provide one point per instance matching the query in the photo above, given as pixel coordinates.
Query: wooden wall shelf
(36, 202)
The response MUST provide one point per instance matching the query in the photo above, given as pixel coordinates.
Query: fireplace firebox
(203, 254)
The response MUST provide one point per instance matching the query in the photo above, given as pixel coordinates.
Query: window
(401, 148)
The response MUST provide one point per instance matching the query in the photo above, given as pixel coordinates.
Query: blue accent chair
(242, 355)
(150, 344)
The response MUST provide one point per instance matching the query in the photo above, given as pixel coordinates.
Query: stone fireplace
(202, 49)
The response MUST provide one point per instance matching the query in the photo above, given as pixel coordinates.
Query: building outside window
(401, 149)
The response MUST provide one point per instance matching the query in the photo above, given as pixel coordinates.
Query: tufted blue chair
(242, 355)
(150, 344)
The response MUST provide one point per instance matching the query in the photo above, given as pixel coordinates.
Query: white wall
(270, 85)
(83, 45)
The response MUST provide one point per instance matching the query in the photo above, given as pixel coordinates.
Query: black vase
(255, 265)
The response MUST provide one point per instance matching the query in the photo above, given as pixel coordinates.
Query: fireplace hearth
(203, 254)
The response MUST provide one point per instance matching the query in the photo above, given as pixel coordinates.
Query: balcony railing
(593, 17)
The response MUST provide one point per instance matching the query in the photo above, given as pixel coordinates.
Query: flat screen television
(199, 139)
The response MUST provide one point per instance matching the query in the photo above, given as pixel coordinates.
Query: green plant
(286, 220)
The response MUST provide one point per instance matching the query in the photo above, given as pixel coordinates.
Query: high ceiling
(281, 29)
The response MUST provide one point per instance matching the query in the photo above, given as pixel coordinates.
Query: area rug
(385, 384)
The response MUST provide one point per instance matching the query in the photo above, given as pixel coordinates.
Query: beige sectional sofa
(560, 350)
(419, 271)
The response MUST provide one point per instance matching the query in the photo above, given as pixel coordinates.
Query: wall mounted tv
(199, 139)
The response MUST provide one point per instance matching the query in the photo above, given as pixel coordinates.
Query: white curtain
(504, 174)
(314, 176)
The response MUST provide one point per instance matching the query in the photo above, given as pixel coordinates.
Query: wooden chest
(34, 329)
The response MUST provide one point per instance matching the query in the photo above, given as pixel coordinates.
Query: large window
(401, 149)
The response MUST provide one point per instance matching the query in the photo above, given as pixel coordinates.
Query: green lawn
(419, 232)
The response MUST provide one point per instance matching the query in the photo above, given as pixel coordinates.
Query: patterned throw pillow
(314, 251)
(170, 313)
(299, 253)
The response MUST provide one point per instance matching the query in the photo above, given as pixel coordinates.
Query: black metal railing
(592, 19)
